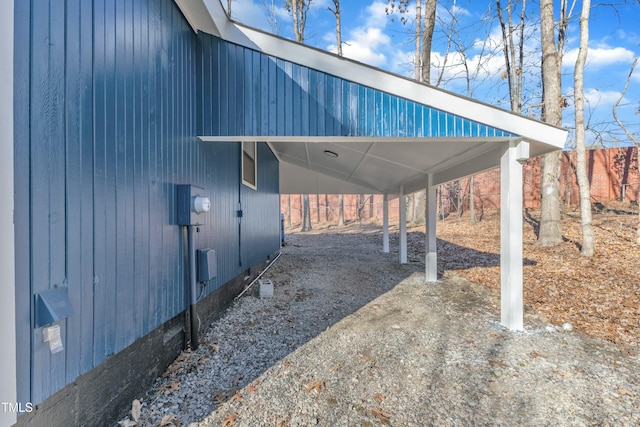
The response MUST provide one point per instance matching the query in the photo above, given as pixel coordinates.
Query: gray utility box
(265, 288)
(207, 265)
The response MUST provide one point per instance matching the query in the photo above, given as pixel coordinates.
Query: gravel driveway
(352, 338)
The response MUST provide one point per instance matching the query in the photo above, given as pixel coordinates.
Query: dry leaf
(136, 406)
(318, 386)
(381, 415)
(253, 387)
(378, 398)
(283, 421)
(172, 386)
(169, 419)
(497, 363)
(535, 354)
(625, 390)
(237, 397)
(230, 420)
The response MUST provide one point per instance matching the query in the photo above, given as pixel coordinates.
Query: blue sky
(467, 55)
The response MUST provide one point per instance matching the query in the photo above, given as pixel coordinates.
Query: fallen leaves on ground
(172, 386)
(381, 415)
(318, 386)
(237, 397)
(378, 397)
(220, 396)
(598, 295)
(230, 420)
(169, 419)
(136, 406)
(253, 387)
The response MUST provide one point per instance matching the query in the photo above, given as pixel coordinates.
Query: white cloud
(597, 98)
(599, 56)
(364, 45)
(376, 15)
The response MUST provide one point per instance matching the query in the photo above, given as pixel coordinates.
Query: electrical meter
(191, 204)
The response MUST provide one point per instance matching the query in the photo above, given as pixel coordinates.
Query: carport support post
(385, 223)
(511, 311)
(402, 207)
(431, 255)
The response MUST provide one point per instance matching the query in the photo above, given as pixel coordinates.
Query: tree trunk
(326, 208)
(410, 206)
(371, 207)
(550, 231)
(289, 209)
(632, 137)
(336, 12)
(306, 222)
(341, 209)
(427, 38)
(296, 25)
(417, 66)
(588, 238)
(420, 202)
(472, 200)
(318, 206)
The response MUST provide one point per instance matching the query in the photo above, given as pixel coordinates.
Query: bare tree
(588, 238)
(513, 62)
(427, 39)
(229, 8)
(633, 138)
(550, 231)
(336, 12)
(269, 7)
(298, 10)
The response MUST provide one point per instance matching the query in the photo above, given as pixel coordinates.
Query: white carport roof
(397, 164)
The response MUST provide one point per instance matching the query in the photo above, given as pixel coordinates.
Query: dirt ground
(599, 295)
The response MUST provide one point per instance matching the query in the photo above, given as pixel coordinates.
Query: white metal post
(511, 313)
(8, 390)
(385, 223)
(431, 255)
(402, 207)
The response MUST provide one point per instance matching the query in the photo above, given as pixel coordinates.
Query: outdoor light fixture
(330, 153)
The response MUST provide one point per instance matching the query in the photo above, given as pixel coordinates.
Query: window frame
(245, 164)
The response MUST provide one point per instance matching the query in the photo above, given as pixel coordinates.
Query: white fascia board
(8, 373)
(199, 16)
(342, 139)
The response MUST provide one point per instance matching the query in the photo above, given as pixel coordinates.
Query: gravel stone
(352, 338)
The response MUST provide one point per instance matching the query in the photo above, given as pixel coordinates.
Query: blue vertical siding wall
(106, 128)
(274, 97)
